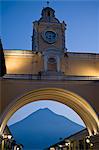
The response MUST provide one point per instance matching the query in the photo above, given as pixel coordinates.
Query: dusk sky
(81, 17)
(82, 34)
(54, 106)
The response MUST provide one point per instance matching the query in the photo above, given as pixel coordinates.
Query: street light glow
(60, 146)
(91, 144)
(87, 140)
(67, 143)
(9, 137)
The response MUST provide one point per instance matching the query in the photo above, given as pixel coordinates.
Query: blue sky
(82, 34)
(54, 106)
(81, 17)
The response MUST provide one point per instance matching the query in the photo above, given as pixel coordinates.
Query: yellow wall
(26, 62)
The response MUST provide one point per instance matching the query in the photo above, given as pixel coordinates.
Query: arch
(74, 101)
(52, 64)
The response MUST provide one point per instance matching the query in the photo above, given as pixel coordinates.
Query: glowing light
(95, 132)
(6, 136)
(60, 146)
(66, 144)
(87, 140)
(91, 144)
(9, 136)
(88, 137)
(3, 135)
(52, 148)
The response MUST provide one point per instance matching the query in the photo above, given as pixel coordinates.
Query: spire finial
(47, 3)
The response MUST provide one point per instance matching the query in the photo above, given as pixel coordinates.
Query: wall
(27, 62)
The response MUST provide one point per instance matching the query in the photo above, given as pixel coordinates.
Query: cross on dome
(47, 3)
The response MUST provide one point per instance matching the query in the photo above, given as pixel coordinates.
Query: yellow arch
(77, 103)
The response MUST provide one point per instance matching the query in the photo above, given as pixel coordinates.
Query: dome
(47, 11)
(48, 15)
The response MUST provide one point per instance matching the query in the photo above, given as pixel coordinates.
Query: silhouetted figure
(39, 75)
(65, 54)
(2, 61)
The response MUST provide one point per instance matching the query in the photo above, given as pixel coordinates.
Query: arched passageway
(74, 101)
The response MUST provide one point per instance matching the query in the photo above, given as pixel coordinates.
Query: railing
(50, 77)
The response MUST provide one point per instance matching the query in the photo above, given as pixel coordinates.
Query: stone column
(2, 148)
(58, 64)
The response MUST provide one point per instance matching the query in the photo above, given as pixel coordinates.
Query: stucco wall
(27, 62)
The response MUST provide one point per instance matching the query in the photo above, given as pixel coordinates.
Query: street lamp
(52, 148)
(5, 136)
(88, 140)
(60, 145)
(9, 137)
(67, 143)
(18, 147)
(6, 140)
(91, 145)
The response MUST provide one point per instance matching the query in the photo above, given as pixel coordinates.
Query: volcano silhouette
(42, 129)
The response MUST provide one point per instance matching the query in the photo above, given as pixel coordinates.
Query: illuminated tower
(49, 39)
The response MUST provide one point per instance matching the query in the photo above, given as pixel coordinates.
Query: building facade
(49, 53)
(78, 141)
(48, 72)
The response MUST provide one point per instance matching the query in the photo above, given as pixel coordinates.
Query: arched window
(52, 60)
(52, 64)
(48, 13)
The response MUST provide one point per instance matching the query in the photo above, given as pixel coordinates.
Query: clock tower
(49, 39)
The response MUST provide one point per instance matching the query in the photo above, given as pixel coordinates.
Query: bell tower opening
(48, 13)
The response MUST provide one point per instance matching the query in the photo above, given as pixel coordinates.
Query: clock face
(50, 36)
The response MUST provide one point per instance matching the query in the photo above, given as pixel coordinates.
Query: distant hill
(42, 129)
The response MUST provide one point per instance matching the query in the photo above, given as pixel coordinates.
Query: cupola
(48, 12)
